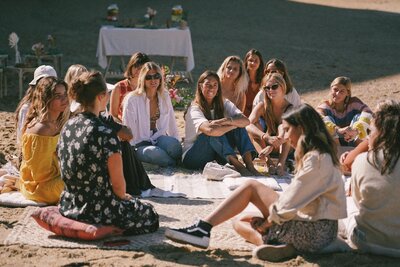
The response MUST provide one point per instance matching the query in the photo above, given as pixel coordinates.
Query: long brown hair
(387, 140)
(218, 102)
(315, 136)
(260, 69)
(280, 65)
(44, 93)
(136, 60)
(269, 114)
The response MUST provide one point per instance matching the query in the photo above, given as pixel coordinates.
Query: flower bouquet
(149, 16)
(180, 97)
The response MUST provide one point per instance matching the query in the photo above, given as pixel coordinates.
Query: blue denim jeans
(208, 148)
(166, 152)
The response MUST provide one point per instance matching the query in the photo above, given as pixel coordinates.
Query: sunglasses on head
(272, 87)
(156, 76)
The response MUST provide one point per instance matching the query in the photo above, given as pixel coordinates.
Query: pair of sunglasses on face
(155, 76)
(272, 87)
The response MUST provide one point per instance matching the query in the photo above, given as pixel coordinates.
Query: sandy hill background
(317, 39)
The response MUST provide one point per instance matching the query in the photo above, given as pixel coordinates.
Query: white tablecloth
(127, 41)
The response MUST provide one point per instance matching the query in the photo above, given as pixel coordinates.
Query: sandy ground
(318, 40)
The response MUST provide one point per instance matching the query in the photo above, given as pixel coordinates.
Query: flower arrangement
(151, 13)
(13, 40)
(180, 97)
(38, 49)
(112, 12)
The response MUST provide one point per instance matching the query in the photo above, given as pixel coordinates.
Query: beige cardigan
(315, 193)
(377, 198)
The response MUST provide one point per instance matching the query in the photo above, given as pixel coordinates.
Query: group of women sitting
(85, 161)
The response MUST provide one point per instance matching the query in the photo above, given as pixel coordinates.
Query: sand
(318, 40)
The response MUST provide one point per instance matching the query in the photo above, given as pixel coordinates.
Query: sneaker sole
(182, 238)
(274, 253)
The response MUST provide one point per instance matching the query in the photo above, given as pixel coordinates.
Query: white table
(172, 42)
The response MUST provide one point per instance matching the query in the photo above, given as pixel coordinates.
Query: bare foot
(245, 172)
(271, 169)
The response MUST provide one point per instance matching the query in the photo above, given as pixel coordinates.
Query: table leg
(21, 77)
(1, 83)
(109, 59)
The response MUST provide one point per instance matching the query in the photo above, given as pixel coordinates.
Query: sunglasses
(156, 76)
(272, 87)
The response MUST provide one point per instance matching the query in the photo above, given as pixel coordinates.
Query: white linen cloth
(127, 41)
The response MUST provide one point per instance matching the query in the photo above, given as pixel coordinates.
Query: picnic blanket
(173, 213)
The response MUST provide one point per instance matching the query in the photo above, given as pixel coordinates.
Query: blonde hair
(346, 82)
(73, 72)
(242, 81)
(141, 88)
(269, 114)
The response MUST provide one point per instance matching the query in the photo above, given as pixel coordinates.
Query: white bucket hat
(41, 72)
(74, 106)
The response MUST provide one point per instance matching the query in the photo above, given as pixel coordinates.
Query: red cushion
(51, 219)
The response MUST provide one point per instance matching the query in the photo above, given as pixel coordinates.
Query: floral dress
(84, 148)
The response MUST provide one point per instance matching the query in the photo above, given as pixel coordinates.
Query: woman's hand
(125, 134)
(350, 134)
(127, 197)
(260, 224)
(275, 141)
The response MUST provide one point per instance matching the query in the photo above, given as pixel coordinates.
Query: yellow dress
(40, 171)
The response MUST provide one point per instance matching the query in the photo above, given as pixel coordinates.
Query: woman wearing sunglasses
(278, 66)
(149, 113)
(270, 111)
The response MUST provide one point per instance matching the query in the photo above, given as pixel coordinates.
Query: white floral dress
(83, 150)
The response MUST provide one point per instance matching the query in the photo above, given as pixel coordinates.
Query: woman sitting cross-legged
(270, 111)
(304, 217)
(91, 166)
(346, 116)
(214, 127)
(40, 172)
(149, 113)
(374, 216)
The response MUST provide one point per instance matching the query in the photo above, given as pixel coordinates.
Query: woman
(23, 105)
(40, 173)
(346, 117)
(304, 218)
(374, 217)
(270, 111)
(127, 85)
(136, 178)
(149, 113)
(214, 127)
(234, 81)
(91, 166)
(277, 66)
(254, 65)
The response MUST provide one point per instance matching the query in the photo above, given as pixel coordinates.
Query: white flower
(99, 179)
(80, 197)
(101, 128)
(113, 141)
(79, 175)
(13, 39)
(76, 145)
(93, 167)
(107, 211)
(67, 133)
(97, 207)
